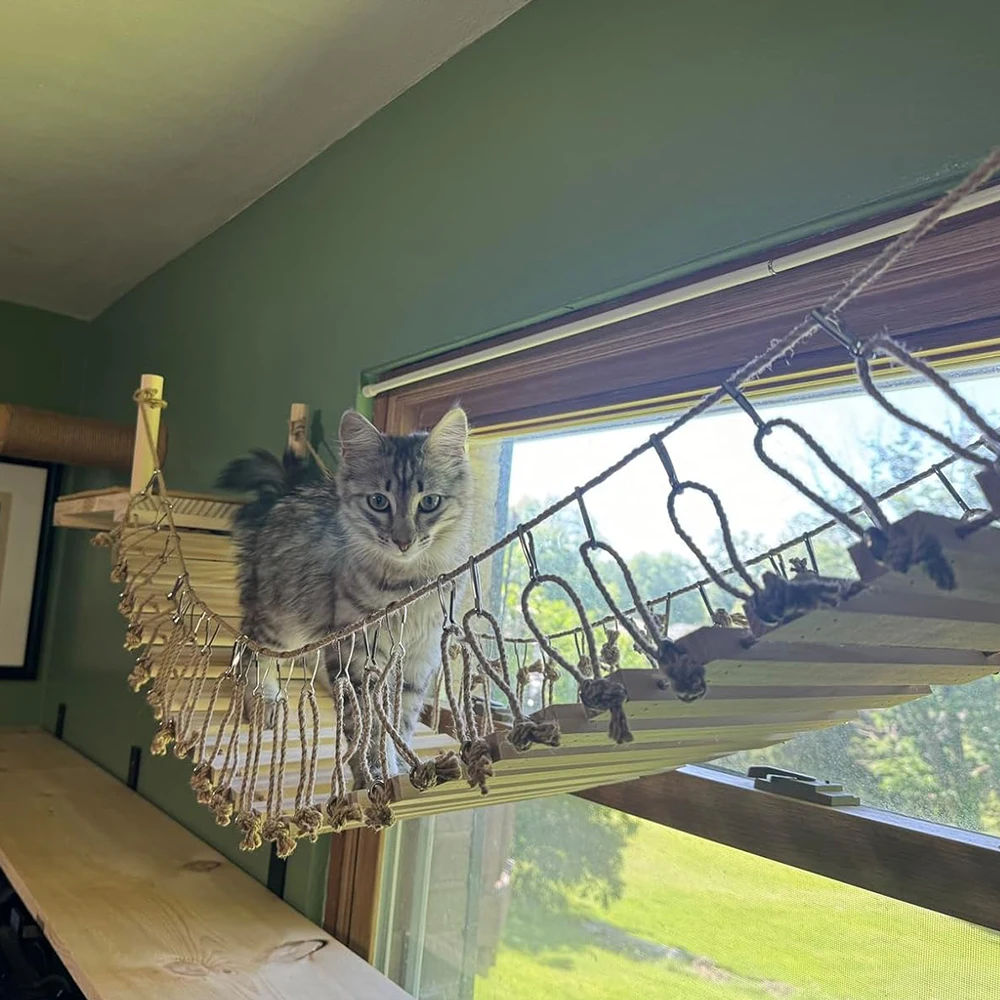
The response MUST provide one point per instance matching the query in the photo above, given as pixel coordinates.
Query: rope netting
(249, 728)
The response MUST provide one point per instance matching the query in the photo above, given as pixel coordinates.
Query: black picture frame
(28, 670)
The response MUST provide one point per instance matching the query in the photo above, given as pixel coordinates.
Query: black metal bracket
(794, 785)
(277, 870)
(134, 763)
(60, 720)
(832, 326)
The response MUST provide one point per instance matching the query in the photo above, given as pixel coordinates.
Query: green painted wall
(583, 148)
(42, 357)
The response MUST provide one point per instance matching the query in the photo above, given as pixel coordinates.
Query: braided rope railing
(177, 641)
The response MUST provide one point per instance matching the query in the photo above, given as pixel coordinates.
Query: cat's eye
(429, 502)
(378, 501)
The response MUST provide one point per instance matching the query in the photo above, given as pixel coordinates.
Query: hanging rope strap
(308, 818)
(276, 828)
(476, 753)
(685, 675)
(525, 732)
(340, 809)
(598, 694)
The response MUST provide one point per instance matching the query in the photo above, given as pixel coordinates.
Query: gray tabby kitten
(317, 554)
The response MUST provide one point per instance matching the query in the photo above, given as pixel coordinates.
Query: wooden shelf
(99, 510)
(138, 908)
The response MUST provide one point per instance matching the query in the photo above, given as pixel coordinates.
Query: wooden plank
(578, 729)
(648, 701)
(883, 616)
(937, 867)
(138, 908)
(104, 508)
(775, 660)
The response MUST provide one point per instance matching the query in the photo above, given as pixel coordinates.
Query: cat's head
(409, 497)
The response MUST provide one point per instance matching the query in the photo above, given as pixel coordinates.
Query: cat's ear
(358, 436)
(451, 434)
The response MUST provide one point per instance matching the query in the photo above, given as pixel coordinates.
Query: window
(459, 913)
(565, 899)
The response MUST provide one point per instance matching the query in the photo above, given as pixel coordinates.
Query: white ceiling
(130, 129)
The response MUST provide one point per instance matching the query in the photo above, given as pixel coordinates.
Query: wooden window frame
(941, 868)
(939, 299)
(940, 295)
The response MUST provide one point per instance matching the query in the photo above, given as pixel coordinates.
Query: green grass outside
(808, 937)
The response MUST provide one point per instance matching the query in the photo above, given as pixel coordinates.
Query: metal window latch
(800, 786)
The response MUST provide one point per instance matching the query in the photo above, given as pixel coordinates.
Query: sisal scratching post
(48, 436)
(147, 428)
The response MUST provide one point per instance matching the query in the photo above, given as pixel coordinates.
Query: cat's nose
(403, 546)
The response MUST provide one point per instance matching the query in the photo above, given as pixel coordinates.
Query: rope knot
(781, 600)
(222, 804)
(601, 694)
(722, 618)
(900, 548)
(184, 748)
(478, 760)
(610, 653)
(102, 540)
(201, 784)
(154, 699)
(429, 773)
(585, 667)
(343, 812)
(119, 571)
(141, 673)
(278, 831)
(685, 674)
(250, 823)
(133, 636)
(527, 732)
(126, 602)
(379, 814)
(165, 734)
(149, 398)
(309, 820)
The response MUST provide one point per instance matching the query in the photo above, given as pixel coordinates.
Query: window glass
(936, 758)
(560, 898)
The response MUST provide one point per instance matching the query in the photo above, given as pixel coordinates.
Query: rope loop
(647, 641)
(871, 505)
(727, 539)
(542, 638)
(524, 732)
(883, 344)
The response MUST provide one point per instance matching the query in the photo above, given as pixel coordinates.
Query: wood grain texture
(940, 868)
(140, 909)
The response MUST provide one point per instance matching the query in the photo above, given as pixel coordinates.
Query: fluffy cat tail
(267, 479)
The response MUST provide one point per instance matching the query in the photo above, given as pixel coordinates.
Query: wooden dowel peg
(298, 430)
(149, 406)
